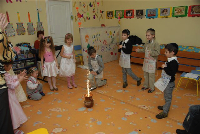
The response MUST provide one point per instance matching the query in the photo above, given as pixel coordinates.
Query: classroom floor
(116, 110)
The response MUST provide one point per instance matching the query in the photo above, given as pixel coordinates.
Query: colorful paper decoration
(77, 9)
(119, 14)
(79, 23)
(30, 28)
(9, 30)
(79, 15)
(20, 28)
(129, 13)
(152, 13)
(39, 24)
(165, 12)
(75, 19)
(109, 14)
(180, 11)
(140, 13)
(74, 4)
(90, 4)
(9, 1)
(194, 10)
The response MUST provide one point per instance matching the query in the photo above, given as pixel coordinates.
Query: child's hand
(164, 65)
(120, 46)
(68, 57)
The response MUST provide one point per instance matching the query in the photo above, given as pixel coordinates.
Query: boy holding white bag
(166, 82)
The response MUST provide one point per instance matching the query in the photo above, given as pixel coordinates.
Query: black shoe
(125, 84)
(160, 107)
(52, 89)
(29, 97)
(56, 89)
(42, 93)
(150, 91)
(179, 131)
(93, 88)
(161, 115)
(144, 88)
(139, 81)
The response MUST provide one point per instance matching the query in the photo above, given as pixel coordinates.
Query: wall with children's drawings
(183, 31)
(23, 8)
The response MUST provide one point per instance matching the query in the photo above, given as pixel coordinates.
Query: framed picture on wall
(165, 12)
(180, 11)
(140, 13)
(194, 10)
(129, 13)
(119, 13)
(152, 13)
(109, 14)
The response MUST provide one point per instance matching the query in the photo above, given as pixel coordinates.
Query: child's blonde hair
(151, 31)
(68, 36)
(47, 39)
(32, 70)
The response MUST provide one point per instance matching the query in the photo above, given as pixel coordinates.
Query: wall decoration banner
(30, 28)
(129, 13)
(39, 24)
(119, 14)
(180, 11)
(104, 39)
(140, 13)
(165, 12)
(152, 13)
(9, 30)
(20, 28)
(194, 10)
(109, 14)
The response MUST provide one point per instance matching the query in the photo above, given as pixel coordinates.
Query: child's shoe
(56, 89)
(179, 131)
(125, 84)
(69, 84)
(160, 107)
(74, 85)
(52, 89)
(42, 93)
(144, 88)
(139, 81)
(151, 91)
(29, 97)
(73, 82)
(161, 115)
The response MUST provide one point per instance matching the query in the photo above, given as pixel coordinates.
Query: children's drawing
(30, 28)
(152, 13)
(129, 13)
(194, 10)
(20, 28)
(180, 11)
(140, 13)
(9, 30)
(165, 12)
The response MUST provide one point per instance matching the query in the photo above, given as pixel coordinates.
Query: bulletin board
(104, 39)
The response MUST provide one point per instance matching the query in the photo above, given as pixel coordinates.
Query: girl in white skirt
(67, 64)
(50, 65)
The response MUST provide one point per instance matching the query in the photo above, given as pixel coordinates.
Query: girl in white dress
(67, 64)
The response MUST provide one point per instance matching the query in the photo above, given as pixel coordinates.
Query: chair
(39, 131)
(183, 76)
(80, 56)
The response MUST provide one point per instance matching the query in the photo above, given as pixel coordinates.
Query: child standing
(34, 87)
(170, 69)
(67, 65)
(17, 114)
(151, 50)
(96, 66)
(125, 48)
(50, 66)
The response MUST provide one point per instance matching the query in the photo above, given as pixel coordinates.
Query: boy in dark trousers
(125, 48)
(170, 68)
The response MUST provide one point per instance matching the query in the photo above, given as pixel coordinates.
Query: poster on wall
(194, 10)
(109, 14)
(140, 13)
(152, 13)
(165, 12)
(103, 39)
(9, 30)
(180, 11)
(119, 14)
(129, 13)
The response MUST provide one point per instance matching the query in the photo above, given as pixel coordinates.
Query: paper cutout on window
(30, 28)
(20, 28)
(86, 38)
(9, 30)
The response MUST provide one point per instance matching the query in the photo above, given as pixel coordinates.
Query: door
(59, 21)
